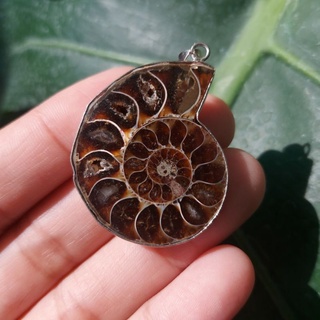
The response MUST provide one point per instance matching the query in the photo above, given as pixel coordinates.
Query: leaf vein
(32, 43)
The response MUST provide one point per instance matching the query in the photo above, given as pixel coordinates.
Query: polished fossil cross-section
(148, 170)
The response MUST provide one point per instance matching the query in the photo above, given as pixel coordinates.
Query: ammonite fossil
(147, 169)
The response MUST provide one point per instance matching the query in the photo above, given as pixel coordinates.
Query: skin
(57, 261)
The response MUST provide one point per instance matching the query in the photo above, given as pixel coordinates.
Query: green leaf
(267, 57)
(51, 44)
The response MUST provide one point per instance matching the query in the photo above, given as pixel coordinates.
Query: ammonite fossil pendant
(146, 167)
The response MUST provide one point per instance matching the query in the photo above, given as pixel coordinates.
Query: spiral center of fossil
(166, 175)
(167, 165)
(167, 169)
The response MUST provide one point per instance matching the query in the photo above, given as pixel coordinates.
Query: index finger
(36, 148)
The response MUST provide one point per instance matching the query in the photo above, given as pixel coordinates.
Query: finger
(218, 118)
(215, 286)
(101, 283)
(35, 149)
(54, 238)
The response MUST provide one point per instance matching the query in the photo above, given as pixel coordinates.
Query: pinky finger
(215, 286)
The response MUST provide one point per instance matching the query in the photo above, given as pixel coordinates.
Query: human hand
(57, 262)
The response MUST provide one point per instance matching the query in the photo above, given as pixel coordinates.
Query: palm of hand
(57, 262)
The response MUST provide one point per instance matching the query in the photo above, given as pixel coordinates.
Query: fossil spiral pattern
(148, 170)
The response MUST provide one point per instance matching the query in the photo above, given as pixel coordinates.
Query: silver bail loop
(195, 53)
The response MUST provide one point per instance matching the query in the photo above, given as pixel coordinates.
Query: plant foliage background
(267, 56)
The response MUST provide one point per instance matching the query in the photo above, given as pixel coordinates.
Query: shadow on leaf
(282, 240)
